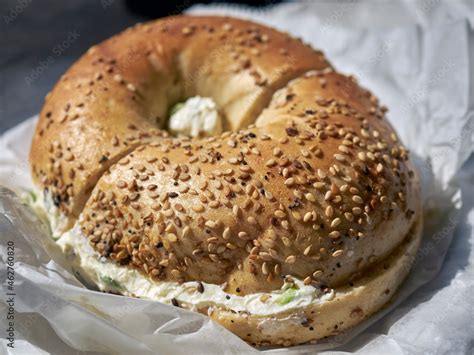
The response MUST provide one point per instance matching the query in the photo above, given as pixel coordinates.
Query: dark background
(40, 39)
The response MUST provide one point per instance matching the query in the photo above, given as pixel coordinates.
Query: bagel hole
(195, 117)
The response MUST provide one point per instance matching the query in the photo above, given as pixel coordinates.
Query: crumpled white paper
(418, 58)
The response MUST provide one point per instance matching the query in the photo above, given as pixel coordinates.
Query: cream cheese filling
(196, 117)
(109, 276)
(43, 205)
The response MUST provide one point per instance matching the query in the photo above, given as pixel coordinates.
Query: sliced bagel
(318, 195)
(119, 94)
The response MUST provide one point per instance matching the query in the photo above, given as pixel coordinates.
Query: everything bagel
(296, 222)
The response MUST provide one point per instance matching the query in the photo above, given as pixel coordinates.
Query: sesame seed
(357, 199)
(354, 190)
(214, 204)
(186, 231)
(270, 163)
(186, 31)
(242, 235)
(214, 257)
(327, 195)
(296, 215)
(271, 234)
(335, 222)
(210, 224)
(307, 217)
(317, 273)
(175, 273)
(268, 195)
(329, 211)
(118, 78)
(290, 259)
(198, 208)
(339, 157)
(172, 237)
(280, 214)
(227, 233)
(252, 220)
(357, 211)
(235, 210)
(277, 269)
(307, 280)
(343, 149)
(337, 253)
(231, 246)
(318, 185)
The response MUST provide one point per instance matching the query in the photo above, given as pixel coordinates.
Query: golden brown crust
(319, 188)
(117, 94)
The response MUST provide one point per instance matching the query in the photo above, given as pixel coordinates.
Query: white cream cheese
(109, 276)
(44, 207)
(197, 117)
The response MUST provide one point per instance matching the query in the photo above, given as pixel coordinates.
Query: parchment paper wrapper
(418, 58)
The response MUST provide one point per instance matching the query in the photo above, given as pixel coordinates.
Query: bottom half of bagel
(295, 314)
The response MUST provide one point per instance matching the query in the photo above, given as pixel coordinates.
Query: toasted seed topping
(164, 208)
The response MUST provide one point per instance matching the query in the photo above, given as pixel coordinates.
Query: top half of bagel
(315, 187)
(118, 95)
